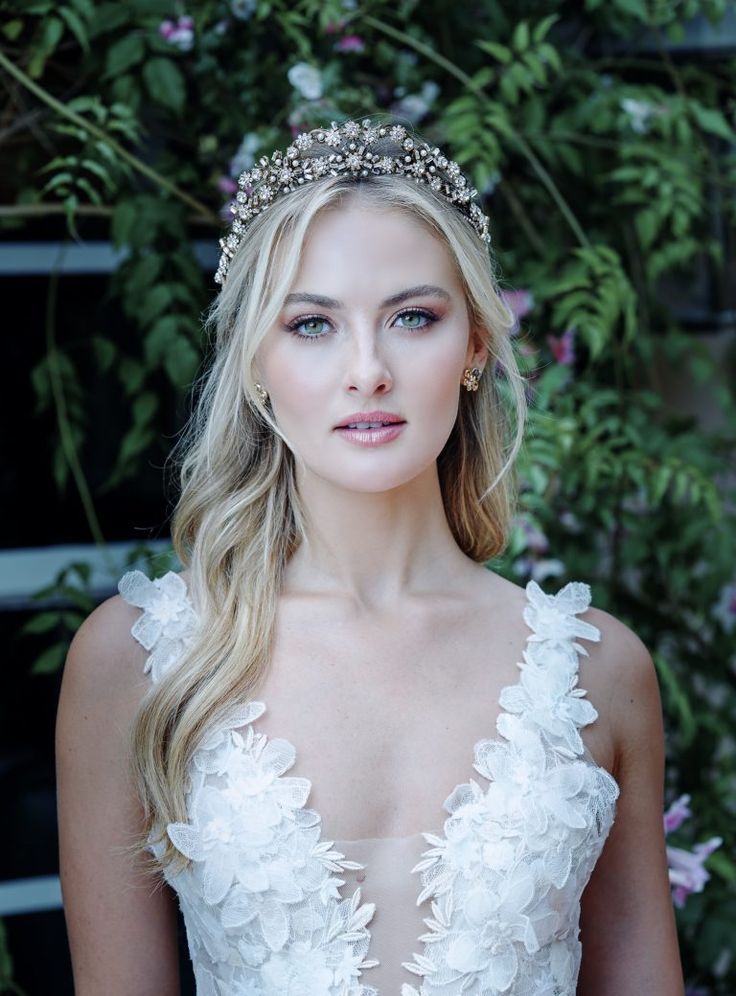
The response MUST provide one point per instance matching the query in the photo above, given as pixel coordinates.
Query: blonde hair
(238, 518)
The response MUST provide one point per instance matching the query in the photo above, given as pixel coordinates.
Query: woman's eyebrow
(423, 290)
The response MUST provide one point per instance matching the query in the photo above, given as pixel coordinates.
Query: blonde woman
(359, 760)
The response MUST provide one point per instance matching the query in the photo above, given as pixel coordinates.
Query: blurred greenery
(604, 149)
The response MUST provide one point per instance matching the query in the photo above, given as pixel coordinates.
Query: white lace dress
(488, 904)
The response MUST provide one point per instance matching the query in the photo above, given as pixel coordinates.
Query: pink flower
(520, 302)
(179, 33)
(563, 348)
(350, 43)
(676, 815)
(687, 871)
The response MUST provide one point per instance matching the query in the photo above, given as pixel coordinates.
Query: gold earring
(471, 378)
(261, 392)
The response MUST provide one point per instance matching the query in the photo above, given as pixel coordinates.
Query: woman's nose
(367, 370)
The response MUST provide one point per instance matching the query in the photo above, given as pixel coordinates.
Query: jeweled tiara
(357, 150)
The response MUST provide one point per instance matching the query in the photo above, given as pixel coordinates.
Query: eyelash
(293, 326)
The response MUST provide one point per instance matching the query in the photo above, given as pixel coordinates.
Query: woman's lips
(371, 437)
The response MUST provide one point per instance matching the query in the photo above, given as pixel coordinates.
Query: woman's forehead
(356, 246)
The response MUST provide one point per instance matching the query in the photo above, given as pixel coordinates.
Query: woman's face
(374, 330)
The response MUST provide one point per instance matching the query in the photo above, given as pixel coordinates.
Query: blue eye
(429, 317)
(304, 323)
(308, 327)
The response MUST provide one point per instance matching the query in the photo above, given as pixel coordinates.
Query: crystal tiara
(356, 150)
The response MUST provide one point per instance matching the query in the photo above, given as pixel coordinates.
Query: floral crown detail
(355, 150)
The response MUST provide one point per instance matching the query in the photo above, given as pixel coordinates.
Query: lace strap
(167, 623)
(547, 700)
(552, 618)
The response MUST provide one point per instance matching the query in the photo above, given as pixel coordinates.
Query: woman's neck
(374, 547)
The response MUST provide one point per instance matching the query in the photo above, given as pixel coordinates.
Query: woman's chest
(384, 723)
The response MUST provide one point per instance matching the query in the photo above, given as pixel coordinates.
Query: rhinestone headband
(356, 150)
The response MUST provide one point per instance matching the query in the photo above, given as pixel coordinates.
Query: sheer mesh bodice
(491, 906)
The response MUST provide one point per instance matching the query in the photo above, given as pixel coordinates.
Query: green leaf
(105, 352)
(540, 31)
(52, 30)
(72, 620)
(124, 54)
(75, 25)
(56, 181)
(165, 83)
(12, 29)
(109, 17)
(499, 52)
(720, 863)
(712, 120)
(86, 8)
(648, 224)
(131, 374)
(41, 623)
(156, 301)
(50, 661)
(99, 171)
(123, 223)
(90, 191)
(134, 442)
(521, 36)
(181, 362)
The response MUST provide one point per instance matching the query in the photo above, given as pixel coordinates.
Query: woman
(344, 484)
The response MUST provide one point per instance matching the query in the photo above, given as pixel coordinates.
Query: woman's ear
(477, 354)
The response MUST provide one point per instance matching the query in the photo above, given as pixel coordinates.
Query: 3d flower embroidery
(168, 619)
(547, 698)
(261, 896)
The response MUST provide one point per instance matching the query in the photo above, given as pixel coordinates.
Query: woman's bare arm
(628, 927)
(121, 924)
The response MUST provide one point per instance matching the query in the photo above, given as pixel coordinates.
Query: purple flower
(534, 537)
(563, 347)
(350, 43)
(725, 609)
(179, 32)
(226, 185)
(414, 106)
(540, 569)
(687, 871)
(676, 815)
(245, 155)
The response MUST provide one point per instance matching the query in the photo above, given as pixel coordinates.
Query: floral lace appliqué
(506, 879)
(262, 898)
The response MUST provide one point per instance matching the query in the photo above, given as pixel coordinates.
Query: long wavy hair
(238, 518)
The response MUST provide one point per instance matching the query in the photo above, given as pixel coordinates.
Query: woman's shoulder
(621, 680)
(615, 667)
(620, 660)
(103, 654)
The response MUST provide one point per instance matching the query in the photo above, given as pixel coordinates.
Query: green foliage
(608, 169)
(71, 586)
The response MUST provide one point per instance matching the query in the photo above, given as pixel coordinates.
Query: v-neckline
(260, 704)
(553, 629)
(494, 736)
